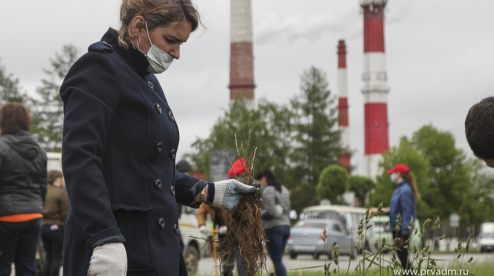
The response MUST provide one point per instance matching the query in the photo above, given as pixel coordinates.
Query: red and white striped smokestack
(241, 55)
(343, 103)
(375, 88)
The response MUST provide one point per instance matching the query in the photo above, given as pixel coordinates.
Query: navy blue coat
(119, 145)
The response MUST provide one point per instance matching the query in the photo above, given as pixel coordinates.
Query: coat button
(150, 84)
(158, 108)
(170, 115)
(161, 223)
(158, 184)
(172, 190)
(173, 153)
(175, 228)
(159, 147)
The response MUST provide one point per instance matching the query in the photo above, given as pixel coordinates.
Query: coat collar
(133, 57)
(401, 184)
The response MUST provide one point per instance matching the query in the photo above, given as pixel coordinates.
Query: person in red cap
(238, 166)
(403, 203)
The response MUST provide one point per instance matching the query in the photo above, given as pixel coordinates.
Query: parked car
(306, 238)
(349, 216)
(189, 230)
(486, 237)
(383, 231)
(54, 161)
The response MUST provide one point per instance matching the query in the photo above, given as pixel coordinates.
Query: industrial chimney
(375, 88)
(241, 56)
(343, 103)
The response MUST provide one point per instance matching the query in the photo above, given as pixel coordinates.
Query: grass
(480, 269)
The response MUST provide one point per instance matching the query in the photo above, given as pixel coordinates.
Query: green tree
(48, 115)
(315, 136)
(269, 125)
(449, 175)
(447, 180)
(332, 183)
(361, 186)
(10, 91)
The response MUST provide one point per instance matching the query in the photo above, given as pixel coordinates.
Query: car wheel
(191, 259)
(330, 253)
(354, 253)
(293, 256)
(316, 256)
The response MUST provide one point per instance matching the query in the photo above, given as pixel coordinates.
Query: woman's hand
(109, 259)
(227, 193)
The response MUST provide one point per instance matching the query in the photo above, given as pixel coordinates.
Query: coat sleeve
(187, 187)
(202, 214)
(64, 205)
(269, 203)
(407, 202)
(44, 184)
(90, 96)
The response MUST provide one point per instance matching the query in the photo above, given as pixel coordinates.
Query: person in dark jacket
(120, 140)
(275, 217)
(403, 203)
(55, 214)
(22, 191)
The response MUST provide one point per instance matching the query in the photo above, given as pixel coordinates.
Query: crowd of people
(120, 142)
(33, 202)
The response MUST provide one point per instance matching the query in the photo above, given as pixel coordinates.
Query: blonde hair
(411, 181)
(156, 13)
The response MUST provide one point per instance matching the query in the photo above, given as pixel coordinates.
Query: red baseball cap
(238, 166)
(399, 168)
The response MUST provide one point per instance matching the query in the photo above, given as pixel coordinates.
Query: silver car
(306, 238)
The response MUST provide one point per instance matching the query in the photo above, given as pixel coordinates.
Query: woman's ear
(136, 27)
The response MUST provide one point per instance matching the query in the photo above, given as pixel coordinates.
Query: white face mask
(158, 60)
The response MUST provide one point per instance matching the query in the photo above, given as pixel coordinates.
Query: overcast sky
(439, 56)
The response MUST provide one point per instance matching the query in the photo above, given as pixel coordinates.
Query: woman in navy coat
(119, 146)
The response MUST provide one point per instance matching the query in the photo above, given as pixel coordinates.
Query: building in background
(241, 52)
(343, 123)
(375, 87)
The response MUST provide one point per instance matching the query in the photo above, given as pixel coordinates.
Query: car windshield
(487, 235)
(379, 226)
(310, 224)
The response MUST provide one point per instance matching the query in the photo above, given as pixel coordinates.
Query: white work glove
(278, 210)
(227, 193)
(222, 230)
(203, 229)
(109, 259)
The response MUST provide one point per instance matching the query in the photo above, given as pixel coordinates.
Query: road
(207, 266)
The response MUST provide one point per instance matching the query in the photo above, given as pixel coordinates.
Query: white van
(486, 237)
(350, 216)
(54, 161)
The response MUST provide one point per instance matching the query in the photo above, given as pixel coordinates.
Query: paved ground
(207, 265)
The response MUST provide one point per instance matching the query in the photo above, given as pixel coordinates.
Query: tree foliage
(316, 138)
(447, 180)
(10, 91)
(48, 112)
(361, 186)
(332, 183)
